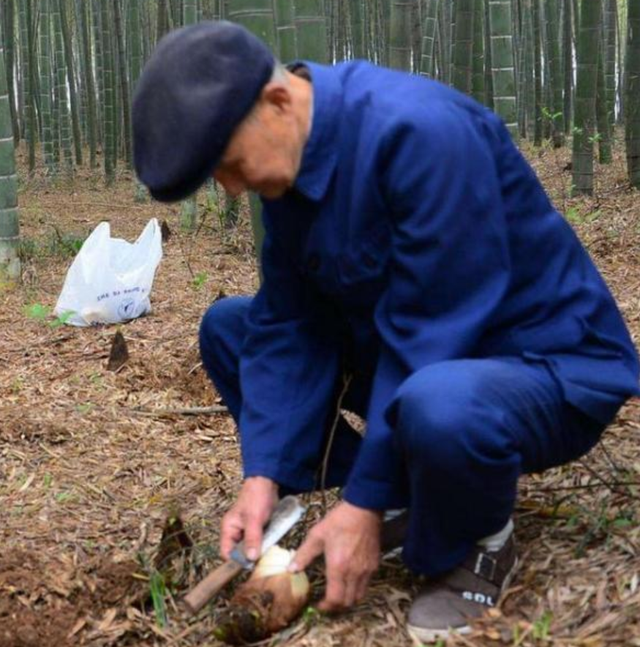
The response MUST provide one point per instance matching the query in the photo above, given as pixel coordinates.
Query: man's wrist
(369, 512)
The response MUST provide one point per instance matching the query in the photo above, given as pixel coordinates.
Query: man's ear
(277, 95)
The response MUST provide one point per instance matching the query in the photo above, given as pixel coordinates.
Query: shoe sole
(422, 635)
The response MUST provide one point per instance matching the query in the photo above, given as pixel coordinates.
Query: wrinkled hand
(349, 537)
(246, 519)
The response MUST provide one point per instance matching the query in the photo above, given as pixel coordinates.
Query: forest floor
(92, 461)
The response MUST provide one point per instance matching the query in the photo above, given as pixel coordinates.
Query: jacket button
(313, 262)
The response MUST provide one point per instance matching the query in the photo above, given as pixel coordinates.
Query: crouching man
(411, 248)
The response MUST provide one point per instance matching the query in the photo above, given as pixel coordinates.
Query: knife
(286, 514)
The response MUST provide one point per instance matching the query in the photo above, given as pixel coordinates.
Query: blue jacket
(417, 231)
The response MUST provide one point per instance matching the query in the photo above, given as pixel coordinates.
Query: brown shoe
(447, 603)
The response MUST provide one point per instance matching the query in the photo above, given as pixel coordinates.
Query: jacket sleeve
(288, 369)
(449, 270)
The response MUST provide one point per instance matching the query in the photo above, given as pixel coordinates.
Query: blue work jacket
(418, 232)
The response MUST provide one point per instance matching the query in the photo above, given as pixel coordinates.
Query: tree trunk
(27, 58)
(109, 111)
(555, 111)
(567, 64)
(602, 116)
(585, 110)
(125, 96)
(89, 83)
(429, 25)
(45, 88)
(9, 227)
(503, 73)
(632, 101)
(311, 29)
(71, 80)
(478, 79)
(537, 74)
(610, 43)
(61, 100)
(286, 35)
(400, 34)
(462, 58)
(357, 29)
(9, 40)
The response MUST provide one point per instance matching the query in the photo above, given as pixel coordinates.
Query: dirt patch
(53, 603)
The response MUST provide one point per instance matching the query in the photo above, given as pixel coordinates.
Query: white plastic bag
(110, 279)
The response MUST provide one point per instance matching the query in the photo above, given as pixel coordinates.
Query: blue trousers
(467, 429)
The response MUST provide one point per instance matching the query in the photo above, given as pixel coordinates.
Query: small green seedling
(40, 312)
(158, 592)
(199, 280)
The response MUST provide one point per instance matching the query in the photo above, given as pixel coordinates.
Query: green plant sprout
(158, 592)
(199, 280)
(41, 313)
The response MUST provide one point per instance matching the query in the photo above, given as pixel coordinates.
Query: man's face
(265, 151)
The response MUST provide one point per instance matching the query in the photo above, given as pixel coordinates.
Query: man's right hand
(248, 516)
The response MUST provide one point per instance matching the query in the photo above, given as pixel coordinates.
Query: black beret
(199, 84)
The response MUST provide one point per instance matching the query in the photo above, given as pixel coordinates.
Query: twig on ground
(181, 411)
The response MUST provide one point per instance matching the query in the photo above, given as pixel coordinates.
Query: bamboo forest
(120, 459)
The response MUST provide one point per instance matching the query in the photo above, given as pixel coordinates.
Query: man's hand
(248, 516)
(349, 537)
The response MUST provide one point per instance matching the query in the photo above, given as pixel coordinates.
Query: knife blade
(286, 514)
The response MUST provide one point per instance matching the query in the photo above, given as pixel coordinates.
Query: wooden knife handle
(207, 588)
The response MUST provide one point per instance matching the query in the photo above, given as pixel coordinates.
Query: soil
(92, 461)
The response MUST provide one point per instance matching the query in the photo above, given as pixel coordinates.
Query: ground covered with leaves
(97, 465)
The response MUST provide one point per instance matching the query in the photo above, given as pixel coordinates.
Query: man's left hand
(349, 537)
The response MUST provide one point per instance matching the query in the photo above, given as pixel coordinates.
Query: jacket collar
(321, 151)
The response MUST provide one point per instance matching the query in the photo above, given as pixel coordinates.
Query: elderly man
(412, 264)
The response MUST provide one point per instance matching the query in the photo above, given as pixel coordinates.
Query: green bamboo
(632, 98)
(189, 12)
(109, 111)
(60, 94)
(9, 221)
(189, 207)
(503, 71)
(123, 77)
(400, 34)
(523, 54)
(135, 62)
(429, 25)
(462, 58)
(27, 59)
(585, 101)
(162, 23)
(567, 64)
(488, 61)
(311, 26)
(286, 36)
(96, 26)
(610, 44)
(71, 81)
(8, 35)
(537, 74)
(89, 82)
(555, 112)
(478, 90)
(45, 88)
(444, 40)
(358, 38)
(605, 154)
